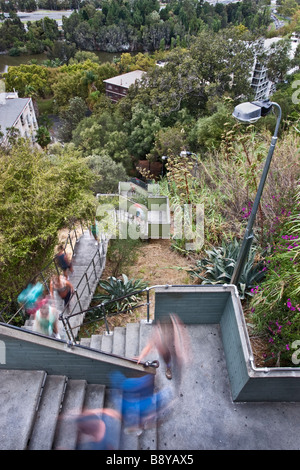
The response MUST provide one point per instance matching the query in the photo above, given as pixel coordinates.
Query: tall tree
(40, 194)
(71, 116)
(278, 60)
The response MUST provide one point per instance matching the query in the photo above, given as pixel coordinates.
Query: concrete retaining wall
(221, 304)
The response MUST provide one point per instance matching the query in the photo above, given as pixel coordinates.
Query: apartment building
(17, 113)
(263, 87)
(117, 87)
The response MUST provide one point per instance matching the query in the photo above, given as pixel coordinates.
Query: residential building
(260, 83)
(117, 87)
(17, 113)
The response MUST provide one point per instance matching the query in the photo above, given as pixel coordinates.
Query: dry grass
(157, 264)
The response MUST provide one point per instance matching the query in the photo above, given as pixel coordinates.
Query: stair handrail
(68, 241)
(99, 256)
(139, 182)
(66, 319)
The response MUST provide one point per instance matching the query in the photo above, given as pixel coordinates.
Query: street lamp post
(251, 112)
(164, 159)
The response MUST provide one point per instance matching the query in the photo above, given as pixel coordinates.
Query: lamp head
(251, 112)
(185, 153)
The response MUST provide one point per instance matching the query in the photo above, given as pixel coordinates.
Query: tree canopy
(40, 194)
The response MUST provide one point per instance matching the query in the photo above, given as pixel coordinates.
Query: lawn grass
(45, 106)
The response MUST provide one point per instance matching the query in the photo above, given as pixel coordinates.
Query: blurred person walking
(171, 341)
(141, 405)
(94, 230)
(45, 321)
(64, 262)
(98, 429)
(31, 297)
(62, 287)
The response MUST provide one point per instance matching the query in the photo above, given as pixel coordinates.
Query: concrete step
(66, 431)
(145, 334)
(20, 393)
(132, 340)
(96, 341)
(46, 419)
(52, 403)
(118, 346)
(113, 399)
(94, 396)
(85, 342)
(107, 343)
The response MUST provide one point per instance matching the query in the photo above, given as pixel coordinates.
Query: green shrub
(14, 52)
(122, 253)
(113, 289)
(218, 267)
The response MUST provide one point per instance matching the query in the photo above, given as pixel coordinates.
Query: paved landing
(204, 417)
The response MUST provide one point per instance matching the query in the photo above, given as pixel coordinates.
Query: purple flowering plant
(275, 305)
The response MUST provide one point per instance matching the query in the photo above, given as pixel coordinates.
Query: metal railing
(104, 314)
(84, 288)
(45, 274)
(139, 182)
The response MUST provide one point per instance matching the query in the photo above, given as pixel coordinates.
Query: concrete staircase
(38, 410)
(88, 263)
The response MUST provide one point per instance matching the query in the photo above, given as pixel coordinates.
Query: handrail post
(95, 272)
(75, 231)
(148, 304)
(78, 299)
(88, 284)
(105, 320)
(100, 258)
(71, 245)
(67, 327)
(45, 282)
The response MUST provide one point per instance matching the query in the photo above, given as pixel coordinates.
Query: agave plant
(124, 292)
(218, 266)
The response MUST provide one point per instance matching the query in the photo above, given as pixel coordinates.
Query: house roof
(10, 110)
(126, 79)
